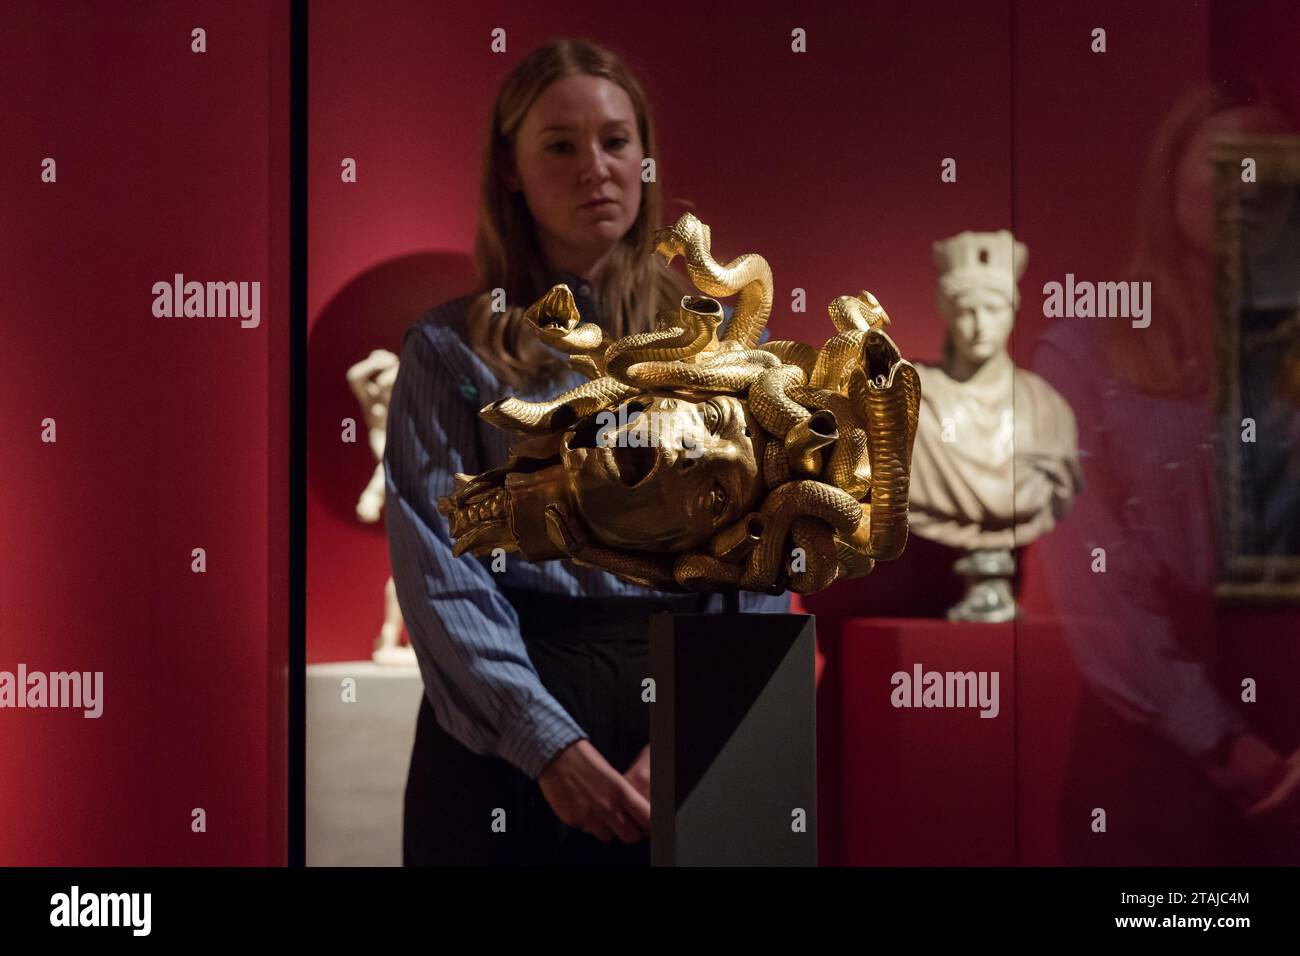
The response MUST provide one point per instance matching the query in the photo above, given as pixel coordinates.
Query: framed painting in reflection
(1257, 288)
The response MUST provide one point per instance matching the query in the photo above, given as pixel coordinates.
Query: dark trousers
(592, 655)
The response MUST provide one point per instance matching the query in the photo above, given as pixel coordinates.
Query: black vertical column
(733, 738)
(298, 432)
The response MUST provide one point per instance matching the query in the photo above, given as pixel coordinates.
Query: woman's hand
(587, 793)
(1258, 780)
(1282, 803)
(639, 773)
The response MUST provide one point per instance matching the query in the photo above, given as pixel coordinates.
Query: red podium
(941, 785)
(923, 785)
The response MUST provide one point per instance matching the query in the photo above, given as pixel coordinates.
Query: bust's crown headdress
(990, 260)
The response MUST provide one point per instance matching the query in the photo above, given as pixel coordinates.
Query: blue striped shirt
(477, 675)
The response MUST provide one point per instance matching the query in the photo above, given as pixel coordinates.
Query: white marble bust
(996, 457)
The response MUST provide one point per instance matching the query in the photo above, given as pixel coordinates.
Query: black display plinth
(733, 740)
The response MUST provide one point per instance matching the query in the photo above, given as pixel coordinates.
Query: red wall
(172, 433)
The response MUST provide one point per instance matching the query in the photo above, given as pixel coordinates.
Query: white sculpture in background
(371, 380)
(996, 460)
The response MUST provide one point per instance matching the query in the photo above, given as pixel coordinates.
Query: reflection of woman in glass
(1143, 631)
(532, 740)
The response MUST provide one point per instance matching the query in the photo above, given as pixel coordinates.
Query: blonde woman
(532, 744)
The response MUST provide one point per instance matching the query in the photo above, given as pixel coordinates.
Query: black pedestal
(733, 740)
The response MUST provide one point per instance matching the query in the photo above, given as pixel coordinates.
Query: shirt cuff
(755, 602)
(1198, 723)
(537, 735)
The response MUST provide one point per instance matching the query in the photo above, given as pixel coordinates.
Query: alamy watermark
(1102, 300)
(181, 299)
(922, 688)
(82, 690)
(75, 908)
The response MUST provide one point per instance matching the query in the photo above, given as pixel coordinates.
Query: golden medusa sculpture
(691, 462)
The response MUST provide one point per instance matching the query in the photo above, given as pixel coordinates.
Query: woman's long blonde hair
(634, 285)
(1174, 357)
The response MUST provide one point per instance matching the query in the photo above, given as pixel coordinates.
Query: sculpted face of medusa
(690, 462)
(665, 472)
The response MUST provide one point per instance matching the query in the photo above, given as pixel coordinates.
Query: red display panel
(171, 433)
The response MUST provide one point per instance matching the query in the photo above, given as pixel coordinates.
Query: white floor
(357, 758)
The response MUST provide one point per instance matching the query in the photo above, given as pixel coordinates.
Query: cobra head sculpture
(693, 462)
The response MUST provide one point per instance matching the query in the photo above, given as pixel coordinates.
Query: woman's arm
(1120, 623)
(477, 675)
